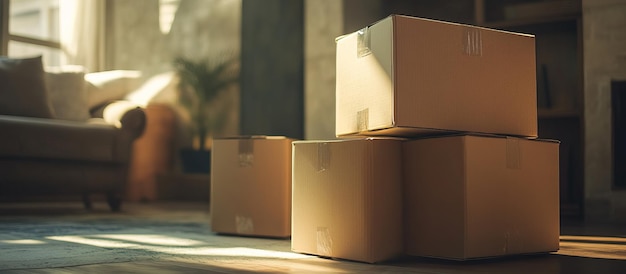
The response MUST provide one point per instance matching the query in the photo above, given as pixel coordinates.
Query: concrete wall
(604, 46)
(134, 39)
(201, 29)
(323, 23)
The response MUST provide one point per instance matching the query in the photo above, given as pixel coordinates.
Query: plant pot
(195, 161)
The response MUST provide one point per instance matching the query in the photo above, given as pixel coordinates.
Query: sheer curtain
(82, 29)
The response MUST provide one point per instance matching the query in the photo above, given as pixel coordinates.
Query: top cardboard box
(406, 76)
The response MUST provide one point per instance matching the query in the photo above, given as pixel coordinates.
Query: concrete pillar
(604, 41)
(324, 22)
(272, 64)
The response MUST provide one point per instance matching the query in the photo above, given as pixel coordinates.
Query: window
(64, 32)
(30, 28)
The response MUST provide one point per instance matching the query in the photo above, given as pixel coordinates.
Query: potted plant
(201, 83)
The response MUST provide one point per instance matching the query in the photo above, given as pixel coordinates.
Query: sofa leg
(87, 202)
(114, 201)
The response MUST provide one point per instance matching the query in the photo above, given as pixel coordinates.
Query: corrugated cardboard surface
(426, 76)
(251, 186)
(347, 199)
(470, 197)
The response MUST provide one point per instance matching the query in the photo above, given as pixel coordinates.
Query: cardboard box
(470, 197)
(406, 76)
(347, 199)
(251, 186)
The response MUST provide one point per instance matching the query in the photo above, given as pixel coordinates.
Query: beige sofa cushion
(23, 89)
(67, 91)
(37, 138)
(112, 85)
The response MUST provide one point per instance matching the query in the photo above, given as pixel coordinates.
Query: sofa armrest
(134, 121)
(129, 117)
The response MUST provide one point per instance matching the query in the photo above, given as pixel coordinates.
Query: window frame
(6, 36)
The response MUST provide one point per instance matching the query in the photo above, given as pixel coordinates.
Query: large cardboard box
(406, 76)
(251, 186)
(347, 199)
(471, 197)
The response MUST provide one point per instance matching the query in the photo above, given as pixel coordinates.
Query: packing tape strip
(472, 41)
(246, 152)
(363, 43)
(324, 242)
(323, 157)
(244, 225)
(362, 120)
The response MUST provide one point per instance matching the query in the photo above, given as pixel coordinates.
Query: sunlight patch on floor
(153, 239)
(23, 242)
(595, 239)
(174, 246)
(93, 242)
(593, 247)
(234, 252)
(312, 265)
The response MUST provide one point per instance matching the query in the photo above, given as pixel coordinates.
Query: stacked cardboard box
(475, 181)
(251, 186)
(469, 197)
(347, 199)
(404, 76)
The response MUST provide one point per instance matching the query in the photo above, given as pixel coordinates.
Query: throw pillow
(23, 88)
(67, 92)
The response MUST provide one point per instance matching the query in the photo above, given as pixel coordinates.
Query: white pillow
(107, 86)
(66, 90)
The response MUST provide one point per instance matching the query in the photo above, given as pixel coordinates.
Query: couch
(53, 143)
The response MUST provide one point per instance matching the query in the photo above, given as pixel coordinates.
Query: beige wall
(604, 47)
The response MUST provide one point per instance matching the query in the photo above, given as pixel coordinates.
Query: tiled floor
(584, 249)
